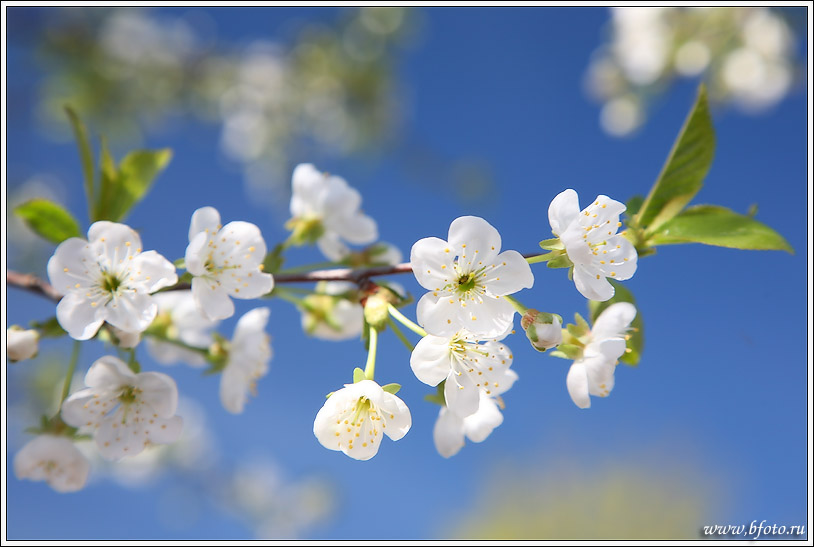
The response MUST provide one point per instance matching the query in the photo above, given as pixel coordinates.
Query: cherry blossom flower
(468, 277)
(592, 244)
(450, 429)
(249, 355)
(225, 261)
(593, 373)
(54, 460)
(470, 368)
(126, 412)
(107, 278)
(326, 210)
(326, 316)
(356, 418)
(21, 343)
(179, 319)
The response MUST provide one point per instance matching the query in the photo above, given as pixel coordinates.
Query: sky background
(713, 420)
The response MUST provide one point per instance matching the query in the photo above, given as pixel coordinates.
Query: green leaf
(48, 219)
(131, 182)
(107, 183)
(561, 261)
(633, 205)
(635, 342)
(358, 375)
(570, 351)
(683, 173)
(392, 388)
(553, 244)
(438, 396)
(714, 225)
(85, 152)
(50, 328)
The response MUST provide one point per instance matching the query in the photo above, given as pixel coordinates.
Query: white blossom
(249, 355)
(450, 429)
(107, 278)
(126, 412)
(225, 261)
(470, 368)
(180, 319)
(327, 316)
(593, 373)
(54, 460)
(592, 244)
(355, 419)
(326, 209)
(467, 277)
(21, 343)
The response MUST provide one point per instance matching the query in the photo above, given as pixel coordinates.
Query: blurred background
(433, 114)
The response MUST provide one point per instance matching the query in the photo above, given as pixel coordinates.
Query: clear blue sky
(723, 381)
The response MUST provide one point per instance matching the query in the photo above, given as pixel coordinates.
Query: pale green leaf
(85, 152)
(48, 219)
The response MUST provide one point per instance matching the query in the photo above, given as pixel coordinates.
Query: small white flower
(21, 343)
(592, 244)
(467, 276)
(544, 330)
(125, 339)
(54, 460)
(469, 367)
(326, 209)
(328, 317)
(356, 418)
(249, 355)
(593, 374)
(450, 429)
(126, 411)
(179, 316)
(107, 278)
(225, 261)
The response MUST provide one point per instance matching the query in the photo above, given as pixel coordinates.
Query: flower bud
(544, 330)
(376, 310)
(21, 343)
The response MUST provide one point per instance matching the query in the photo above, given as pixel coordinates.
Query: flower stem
(398, 316)
(370, 366)
(399, 334)
(66, 387)
(516, 305)
(538, 258)
(284, 295)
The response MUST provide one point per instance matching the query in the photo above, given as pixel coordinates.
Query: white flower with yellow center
(179, 319)
(450, 429)
(356, 418)
(470, 368)
(125, 412)
(54, 460)
(325, 210)
(249, 356)
(593, 373)
(467, 277)
(107, 278)
(226, 261)
(592, 244)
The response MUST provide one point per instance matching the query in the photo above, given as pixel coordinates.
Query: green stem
(397, 331)
(283, 295)
(370, 366)
(516, 305)
(398, 316)
(538, 258)
(66, 387)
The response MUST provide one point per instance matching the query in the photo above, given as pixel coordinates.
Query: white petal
(117, 437)
(432, 262)
(475, 238)
(478, 426)
(212, 300)
(564, 209)
(196, 254)
(153, 271)
(430, 359)
(234, 389)
(21, 343)
(72, 263)
(620, 260)
(348, 316)
(77, 315)
(590, 286)
(113, 240)
(510, 274)
(577, 383)
(164, 430)
(338, 200)
(87, 407)
(448, 433)
(109, 373)
(55, 460)
(247, 286)
(358, 229)
(242, 242)
(576, 246)
(599, 371)
(332, 247)
(251, 322)
(439, 315)
(398, 420)
(461, 394)
(306, 183)
(205, 219)
(159, 392)
(607, 211)
(492, 317)
(614, 321)
(131, 312)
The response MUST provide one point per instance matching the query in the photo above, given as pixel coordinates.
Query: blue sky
(721, 391)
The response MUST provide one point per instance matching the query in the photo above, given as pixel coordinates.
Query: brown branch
(32, 283)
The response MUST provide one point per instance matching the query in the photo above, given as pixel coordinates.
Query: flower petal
(131, 312)
(448, 433)
(247, 286)
(461, 394)
(577, 384)
(72, 263)
(113, 240)
(478, 426)
(430, 359)
(79, 317)
(620, 259)
(213, 302)
(253, 321)
(599, 371)
(592, 284)
(234, 389)
(439, 315)
(196, 254)
(306, 183)
(159, 392)
(153, 271)
(607, 211)
(164, 430)
(358, 228)
(475, 238)
(511, 273)
(492, 317)
(564, 209)
(55, 460)
(205, 219)
(87, 407)
(432, 262)
(332, 247)
(614, 321)
(109, 373)
(399, 420)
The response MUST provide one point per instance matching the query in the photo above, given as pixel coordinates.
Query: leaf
(107, 184)
(560, 261)
(132, 181)
(392, 388)
(633, 205)
(570, 351)
(682, 175)
(358, 375)
(635, 342)
(50, 328)
(715, 225)
(48, 219)
(85, 152)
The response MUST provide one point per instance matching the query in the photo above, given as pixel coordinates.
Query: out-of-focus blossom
(249, 356)
(21, 343)
(179, 319)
